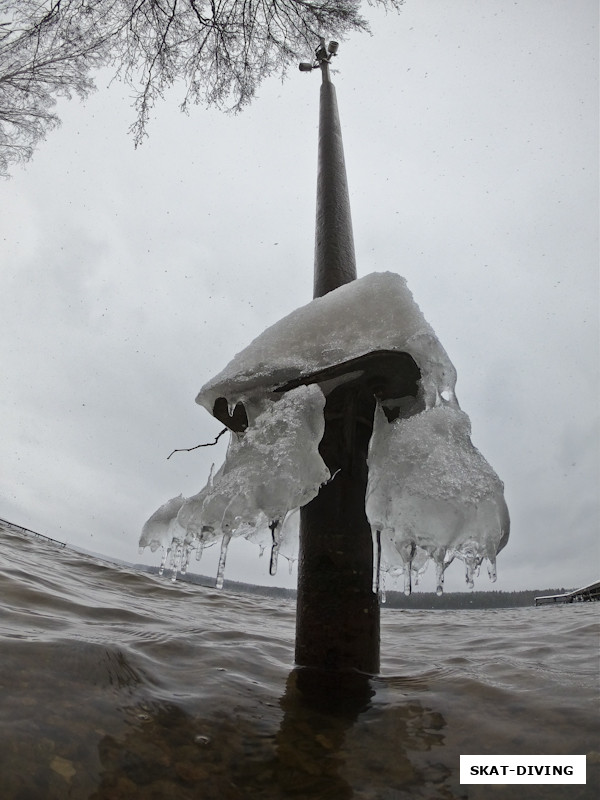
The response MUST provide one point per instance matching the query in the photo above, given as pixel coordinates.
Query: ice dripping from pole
(374, 313)
(431, 495)
(270, 470)
(162, 530)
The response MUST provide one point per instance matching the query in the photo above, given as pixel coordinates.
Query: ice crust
(431, 495)
(376, 312)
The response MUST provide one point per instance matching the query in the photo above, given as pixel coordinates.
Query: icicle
(273, 525)
(163, 560)
(470, 554)
(376, 534)
(407, 552)
(439, 556)
(222, 558)
(199, 551)
(175, 561)
(491, 568)
(185, 559)
(407, 580)
(382, 594)
(141, 550)
(439, 578)
(470, 573)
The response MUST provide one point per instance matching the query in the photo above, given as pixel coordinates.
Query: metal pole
(335, 262)
(337, 618)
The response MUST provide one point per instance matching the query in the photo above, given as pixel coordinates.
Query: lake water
(120, 685)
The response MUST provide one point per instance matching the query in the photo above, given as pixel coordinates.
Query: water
(121, 685)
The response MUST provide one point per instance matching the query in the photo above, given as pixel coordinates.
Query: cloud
(131, 277)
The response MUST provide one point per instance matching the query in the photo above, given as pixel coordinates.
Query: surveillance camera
(333, 47)
(305, 67)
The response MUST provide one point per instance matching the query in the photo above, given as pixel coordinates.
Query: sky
(130, 277)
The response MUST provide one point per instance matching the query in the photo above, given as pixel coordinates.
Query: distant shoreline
(416, 600)
(396, 600)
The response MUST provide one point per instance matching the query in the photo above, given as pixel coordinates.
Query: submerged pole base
(337, 623)
(337, 616)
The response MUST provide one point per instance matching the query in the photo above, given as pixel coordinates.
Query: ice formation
(162, 530)
(270, 470)
(431, 495)
(371, 314)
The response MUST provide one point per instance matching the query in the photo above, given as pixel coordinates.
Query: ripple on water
(120, 685)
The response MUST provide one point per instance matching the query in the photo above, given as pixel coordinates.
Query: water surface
(116, 684)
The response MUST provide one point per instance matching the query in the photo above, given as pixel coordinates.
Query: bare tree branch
(206, 444)
(219, 52)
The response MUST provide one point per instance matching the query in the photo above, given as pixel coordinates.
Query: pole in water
(337, 617)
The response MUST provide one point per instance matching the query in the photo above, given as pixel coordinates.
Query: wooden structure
(4, 523)
(583, 595)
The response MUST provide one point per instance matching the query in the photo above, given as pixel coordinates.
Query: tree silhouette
(218, 50)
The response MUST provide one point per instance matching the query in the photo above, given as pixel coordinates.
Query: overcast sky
(129, 278)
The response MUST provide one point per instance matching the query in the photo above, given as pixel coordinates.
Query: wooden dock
(20, 529)
(583, 595)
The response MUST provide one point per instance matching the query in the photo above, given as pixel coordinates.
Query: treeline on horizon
(416, 600)
(467, 599)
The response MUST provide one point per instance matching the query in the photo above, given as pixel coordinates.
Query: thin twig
(206, 444)
(339, 469)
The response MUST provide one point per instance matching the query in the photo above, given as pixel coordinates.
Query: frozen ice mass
(431, 495)
(371, 314)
